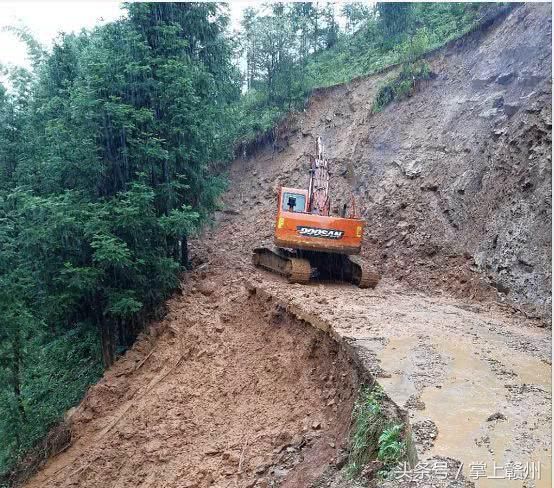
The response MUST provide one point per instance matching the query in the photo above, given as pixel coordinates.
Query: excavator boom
(309, 241)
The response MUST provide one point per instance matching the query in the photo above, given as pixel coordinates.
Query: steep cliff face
(455, 181)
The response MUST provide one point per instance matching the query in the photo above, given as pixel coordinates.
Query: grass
(401, 86)
(373, 436)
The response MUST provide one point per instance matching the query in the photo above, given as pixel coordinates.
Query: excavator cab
(298, 228)
(293, 200)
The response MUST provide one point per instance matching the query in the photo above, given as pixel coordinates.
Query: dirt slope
(453, 181)
(226, 392)
(231, 390)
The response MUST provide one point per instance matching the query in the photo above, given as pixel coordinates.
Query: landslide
(455, 185)
(455, 181)
(228, 390)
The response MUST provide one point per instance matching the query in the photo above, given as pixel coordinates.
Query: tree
(356, 14)
(108, 151)
(394, 17)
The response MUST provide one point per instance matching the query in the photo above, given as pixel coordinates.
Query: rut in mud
(228, 390)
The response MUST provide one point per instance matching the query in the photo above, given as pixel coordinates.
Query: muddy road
(250, 381)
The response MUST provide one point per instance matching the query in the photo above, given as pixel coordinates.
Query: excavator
(308, 241)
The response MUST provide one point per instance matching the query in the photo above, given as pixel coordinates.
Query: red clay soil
(225, 392)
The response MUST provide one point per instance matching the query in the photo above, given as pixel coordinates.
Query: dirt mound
(455, 182)
(234, 392)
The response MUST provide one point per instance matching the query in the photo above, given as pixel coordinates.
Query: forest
(113, 151)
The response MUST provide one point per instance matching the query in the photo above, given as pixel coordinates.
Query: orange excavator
(309, 242)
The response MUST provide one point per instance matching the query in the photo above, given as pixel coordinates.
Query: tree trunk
(106, 335)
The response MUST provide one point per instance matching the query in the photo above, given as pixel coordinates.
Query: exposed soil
(250, 381)
(454, 182)
(233, 392)
(476, 381)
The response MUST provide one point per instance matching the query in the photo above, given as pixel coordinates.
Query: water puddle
(471, 379)
(398, 362)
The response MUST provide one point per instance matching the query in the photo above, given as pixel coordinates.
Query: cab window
(294, 202)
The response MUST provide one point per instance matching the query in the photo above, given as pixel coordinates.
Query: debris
(496, 416)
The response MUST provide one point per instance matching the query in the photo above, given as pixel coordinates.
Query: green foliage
(394, 17)
(401, 86)
(292, 49)
(277, 43)
(108, 154)
(56, 371)
(372, 435)
(372, 48)
(355, 14)
(392, 449)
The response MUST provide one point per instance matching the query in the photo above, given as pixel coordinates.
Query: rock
(489, 113)
(412, 169)
(280, 472)
(371, 469)
(429, 186)
(498, 102)
(482, 81)
(496, 416)
(297, 441)
(341, 460)
(505, 78)
(424, 433)
(212, 451)
(153, 446)
(207, 288)
(414, 402)
(69, 414)
(316, 425)
(511, 108)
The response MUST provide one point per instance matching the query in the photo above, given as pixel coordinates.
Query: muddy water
(397, 361)
(467, 392)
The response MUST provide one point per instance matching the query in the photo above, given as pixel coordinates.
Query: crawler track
(324, 265)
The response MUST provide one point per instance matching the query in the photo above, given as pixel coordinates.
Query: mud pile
(227, 391)
(455, 182)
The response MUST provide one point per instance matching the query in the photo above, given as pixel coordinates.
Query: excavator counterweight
(309, 242)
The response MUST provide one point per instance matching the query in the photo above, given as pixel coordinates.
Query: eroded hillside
(249, 380)
(455, 182)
